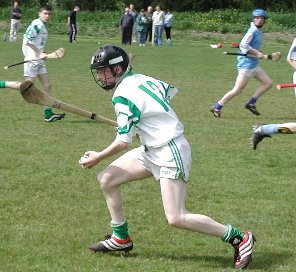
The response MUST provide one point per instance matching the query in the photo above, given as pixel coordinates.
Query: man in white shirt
(158, 21)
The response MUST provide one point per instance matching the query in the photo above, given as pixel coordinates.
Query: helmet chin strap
(129, 67)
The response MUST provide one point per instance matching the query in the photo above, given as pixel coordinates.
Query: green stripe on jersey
(36, 29)
(133, 119)
(154, 96)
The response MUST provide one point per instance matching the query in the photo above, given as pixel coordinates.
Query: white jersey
(142, 106)
(35, 34)
(292, 51)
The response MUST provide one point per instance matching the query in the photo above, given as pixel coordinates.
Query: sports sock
(120, 230)
(47, 112)
(269, 129)
(218, 106)
(2, 84)
(232, 235)
(252, 100)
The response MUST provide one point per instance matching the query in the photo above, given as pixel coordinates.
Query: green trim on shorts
(178, 159)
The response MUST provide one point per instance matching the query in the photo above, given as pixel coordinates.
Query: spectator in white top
(158, 20)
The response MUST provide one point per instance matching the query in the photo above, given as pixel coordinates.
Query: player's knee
(175, 221)
(104, 180)
(269, 84)
(237, 91)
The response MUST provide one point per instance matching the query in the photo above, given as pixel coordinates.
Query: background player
(34, 42)
(72, 24)
(248, 67)
(142, 106)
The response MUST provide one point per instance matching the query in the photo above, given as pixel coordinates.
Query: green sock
(231, 234)
(120, 230)
(47, 112)
(2, 84)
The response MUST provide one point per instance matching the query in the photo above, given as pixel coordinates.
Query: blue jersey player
(248, 66)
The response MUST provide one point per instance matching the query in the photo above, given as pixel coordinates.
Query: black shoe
(216, 112)
(257, 136)
(112, 243)
(252, 108)
(55, 117)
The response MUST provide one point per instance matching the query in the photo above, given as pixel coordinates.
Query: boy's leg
(173, 194)
(49, 116)
(124, 169)
(240, 84)
(262, 131)
(10, 84)
(266, 83)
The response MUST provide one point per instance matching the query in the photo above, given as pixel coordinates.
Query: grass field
(51, 209)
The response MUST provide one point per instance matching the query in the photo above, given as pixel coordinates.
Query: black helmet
(109, 56)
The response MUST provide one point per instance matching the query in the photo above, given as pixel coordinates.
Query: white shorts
(250, 72)
(34, 68)
(172, 160)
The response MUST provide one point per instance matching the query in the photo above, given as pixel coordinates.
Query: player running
(142, 106)
(248, 67)
(34, 41)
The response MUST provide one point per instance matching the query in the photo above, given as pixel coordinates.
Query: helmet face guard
(108, 56)
(102, 79)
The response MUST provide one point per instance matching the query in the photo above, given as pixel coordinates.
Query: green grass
(51, 209)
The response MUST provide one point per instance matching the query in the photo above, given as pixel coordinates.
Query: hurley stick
(273, 56)
(58, 54)
(32, 95)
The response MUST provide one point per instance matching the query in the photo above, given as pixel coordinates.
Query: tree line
(175, 5)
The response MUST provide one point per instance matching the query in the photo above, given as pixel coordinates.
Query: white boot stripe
(111, 244)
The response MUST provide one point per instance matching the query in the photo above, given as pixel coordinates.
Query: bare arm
(37, 51)
(96, 157)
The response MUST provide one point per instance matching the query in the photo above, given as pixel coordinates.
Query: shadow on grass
(264, 262)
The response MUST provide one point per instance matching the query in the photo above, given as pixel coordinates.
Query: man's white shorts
(172, 160)
(250, 72)
(34, 68)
